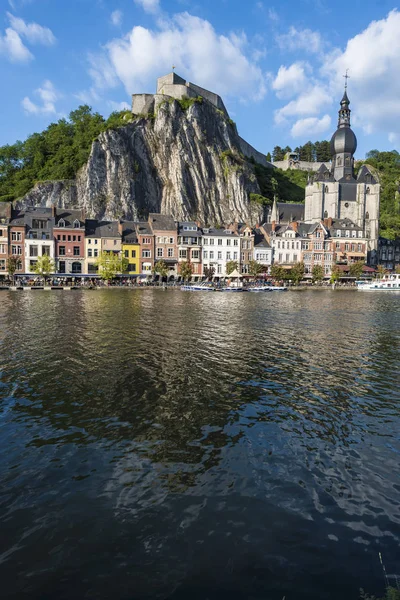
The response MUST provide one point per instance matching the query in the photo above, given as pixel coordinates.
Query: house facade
(39, 241)
(69, 242)
(130, 248)
(145, 239)
(5, 216)
(165, 234)
(190, 246)
(92, 246)
(219, 247)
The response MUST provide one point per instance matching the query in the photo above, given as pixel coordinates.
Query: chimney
(295, 226)
(273, 225)
(53, 210)
(120, 227)
(328, 222)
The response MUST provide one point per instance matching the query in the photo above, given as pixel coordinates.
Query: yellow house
(130, 248)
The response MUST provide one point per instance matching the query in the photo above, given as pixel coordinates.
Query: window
(287, 258)
(132, 268)
(219, 242)
(235, 256)
(337, 245)
(45, 250)
(280, 257)
(294, 257)
(64, 238)
(228, 242)
(61, 251)
(33, 250)
(61, 223)
(133, 253)
(32, 264)
(195, 254)
(244, 244)
(353, 247)
(79, 238)
(235, 242)
(115, 242)
(16, 250)
(359, 248)
(126, 253)
(146, 254)
(219, 268)
(205, 241)
(90, 253)
(16, 236)
(170, 252)
(211, 241)
(354, 233)
(171, 240)
(95, 242)
(146, 240)
(76, 267)
(95, 253)
(347, 233)
(205, 254)
(182, 253)
(76, 224)
(3, 248)
(219, 257)
(1, 233)
(3, 264)
(292, 245)
(211, 255)
(279, 245)
(339, 233)
(346, 247)
(317, 245)
(360, 234)
(77, 251)
(69, 238)
(89, 241)
(160, 252)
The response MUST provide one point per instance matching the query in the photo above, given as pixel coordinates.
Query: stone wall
(301, 165)
(251, 152)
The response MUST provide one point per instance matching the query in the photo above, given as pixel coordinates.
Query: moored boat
(200, 287)
(388, 283)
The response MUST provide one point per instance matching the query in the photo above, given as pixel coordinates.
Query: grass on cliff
(289, 186)
(56, 153)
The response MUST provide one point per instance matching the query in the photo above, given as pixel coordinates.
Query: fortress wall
(251, 152)
(140, 103)
(169, 79)
(210, 96)
(176, 91)
(302, 165)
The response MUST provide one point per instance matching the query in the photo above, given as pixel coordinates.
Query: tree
(256, 269)
(381, 271)
(336, 274)
(278, 154)
(356, 269)
(317, 273)
(110, 264)
(161, 269)
(278, 272)
(297, 272)
(268, 157)
(208, 272)
(13, 263)
(43, 266)
(397, 269)
(186, 270)
(231, 266)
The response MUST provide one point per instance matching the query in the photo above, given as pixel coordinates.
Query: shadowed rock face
(171, 164)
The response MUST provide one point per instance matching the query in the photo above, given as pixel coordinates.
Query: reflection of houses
(5, 216)
(146, 243)
(389, 253)
(130, 247)
(189, 246)
(39, 240)
(219, 247)
(165, 234)
(69, 237)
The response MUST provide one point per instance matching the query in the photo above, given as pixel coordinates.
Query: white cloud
(32, 32)
(310, 102)
(118, 105)
(214, 61)
(273, 15)
(12, 46)
(47, 95)
(300, 39)
(310, 126)
(116, 18)
(290, 80)
(149, 6)
(394, 138)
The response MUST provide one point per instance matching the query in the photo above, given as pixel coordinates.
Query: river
(206, 446)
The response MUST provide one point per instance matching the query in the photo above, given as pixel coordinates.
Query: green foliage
(231, 266)
(289, 186)
(110, 264)
(256, 269)
(297, 273)
(390, 594)
(356, 269)
(43, 266)
(278, 272)
(268, 157)
(186, 270)
(317, 273)
(187, 102)
(13, 263)
(231, 122)
(278, 153)
(258, 199)
(387, 165)
(208, 272)
(161, 269)
(336, 274)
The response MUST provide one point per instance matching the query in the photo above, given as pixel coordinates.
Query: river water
(205, 446)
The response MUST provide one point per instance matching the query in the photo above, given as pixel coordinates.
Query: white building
(263, 253)
(219, 247)
(39, 239)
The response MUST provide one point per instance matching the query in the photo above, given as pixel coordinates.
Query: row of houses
(75, 243)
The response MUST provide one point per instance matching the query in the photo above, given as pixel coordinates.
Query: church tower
(343, 144)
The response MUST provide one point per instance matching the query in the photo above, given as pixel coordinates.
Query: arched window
(326, 214)
(367, 215)
(347, 161)
(76, 267)
(339, 161)
(61, 223)
(76, 224)
(368, 191)
(326, 189)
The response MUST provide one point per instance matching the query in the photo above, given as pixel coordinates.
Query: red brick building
(69, 240)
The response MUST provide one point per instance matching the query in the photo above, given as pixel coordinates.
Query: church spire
(275, 211)
(344, 111)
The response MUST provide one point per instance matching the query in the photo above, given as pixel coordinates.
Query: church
(335, 192)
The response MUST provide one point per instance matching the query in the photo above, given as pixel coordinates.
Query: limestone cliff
(187, 163)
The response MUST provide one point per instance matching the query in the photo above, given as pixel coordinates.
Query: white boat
(232, 289)
(261, 288)
(388, 283)
(204, 286)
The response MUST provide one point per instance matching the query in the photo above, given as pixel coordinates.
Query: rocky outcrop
(187, 163)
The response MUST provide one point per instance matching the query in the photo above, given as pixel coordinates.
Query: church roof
(365, 175)
(289, 212)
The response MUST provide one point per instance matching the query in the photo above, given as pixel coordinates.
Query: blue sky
(278, 65)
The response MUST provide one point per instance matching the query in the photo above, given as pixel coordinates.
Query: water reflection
(198, 445)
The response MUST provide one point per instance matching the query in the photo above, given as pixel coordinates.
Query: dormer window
(76, 224)
(339, 233)
(61, 223)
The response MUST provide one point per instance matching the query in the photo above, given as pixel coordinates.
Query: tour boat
(261, 288)
(204, 286)
(232, 289)
(388, 283)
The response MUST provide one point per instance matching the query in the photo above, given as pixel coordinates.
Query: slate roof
(181, 231)
(219, 232)
(362, 176)
(323, 174)
(289, 212)
(344, 224)
(162, 222)
(262, 244)
(5, 210)
(17, 218)
(129, 235)
(69, 216)
(102, 229)
(143, 228)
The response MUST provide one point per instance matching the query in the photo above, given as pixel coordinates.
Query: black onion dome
(343, 140)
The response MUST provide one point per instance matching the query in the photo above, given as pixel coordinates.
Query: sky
(278, 66)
